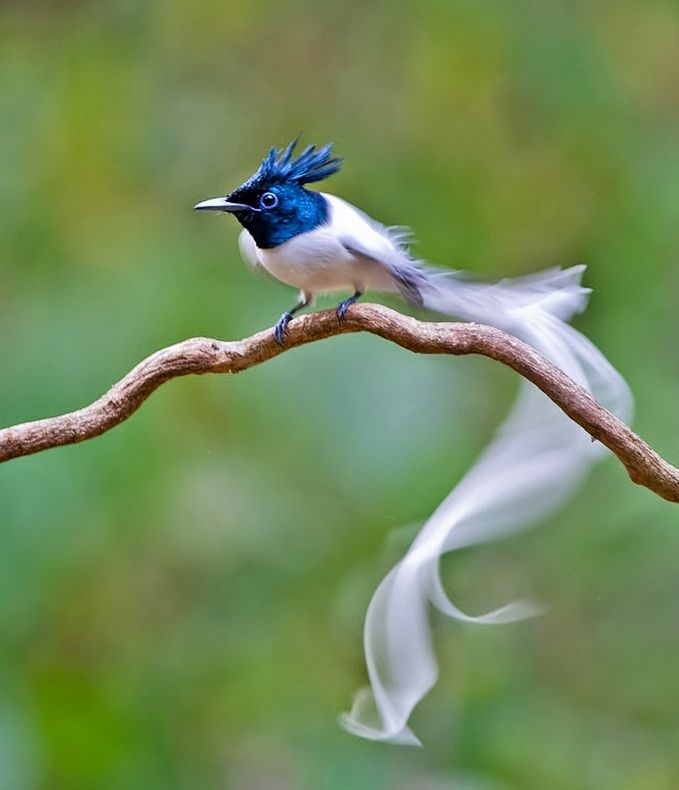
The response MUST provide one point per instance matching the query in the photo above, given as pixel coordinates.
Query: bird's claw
(342, 308)
(281, 328)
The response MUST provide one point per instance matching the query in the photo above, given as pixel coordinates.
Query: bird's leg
(284, 320)
(342, 307)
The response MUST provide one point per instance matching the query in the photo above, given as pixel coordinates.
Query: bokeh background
(181, 600)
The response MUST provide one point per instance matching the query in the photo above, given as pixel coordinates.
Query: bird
(320, 244)
(313, 241)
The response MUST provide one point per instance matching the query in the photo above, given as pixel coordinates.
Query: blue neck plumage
(299, 211)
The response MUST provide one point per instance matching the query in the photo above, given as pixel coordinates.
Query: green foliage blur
(182, 599)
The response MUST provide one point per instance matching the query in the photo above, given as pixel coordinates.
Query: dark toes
(281, 327)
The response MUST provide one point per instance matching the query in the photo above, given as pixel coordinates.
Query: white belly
(314, 262)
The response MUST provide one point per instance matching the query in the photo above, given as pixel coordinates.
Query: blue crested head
(273, 204)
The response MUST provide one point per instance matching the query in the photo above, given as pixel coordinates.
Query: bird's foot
(281, 327)
(342, 307)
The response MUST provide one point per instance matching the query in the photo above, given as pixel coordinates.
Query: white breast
(314, 261)
(324, 260)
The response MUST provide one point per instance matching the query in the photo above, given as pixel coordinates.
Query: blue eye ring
(268, 200)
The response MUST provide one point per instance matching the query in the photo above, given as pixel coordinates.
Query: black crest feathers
(310, 165)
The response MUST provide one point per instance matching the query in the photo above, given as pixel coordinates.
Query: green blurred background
(181, 600)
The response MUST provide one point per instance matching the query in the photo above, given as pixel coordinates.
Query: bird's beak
(221, 204)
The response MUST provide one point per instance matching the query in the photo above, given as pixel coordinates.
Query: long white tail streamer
(535, 461)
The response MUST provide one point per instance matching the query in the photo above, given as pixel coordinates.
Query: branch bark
(206, 355)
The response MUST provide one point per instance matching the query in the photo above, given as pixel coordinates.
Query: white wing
(383, 249)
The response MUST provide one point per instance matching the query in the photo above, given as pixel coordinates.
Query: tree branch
(205, 355)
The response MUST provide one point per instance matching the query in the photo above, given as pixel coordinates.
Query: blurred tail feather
(536, 460)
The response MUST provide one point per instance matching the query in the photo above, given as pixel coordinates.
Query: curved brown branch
(204, 355)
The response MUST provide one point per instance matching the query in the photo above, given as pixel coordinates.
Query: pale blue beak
(222, 204)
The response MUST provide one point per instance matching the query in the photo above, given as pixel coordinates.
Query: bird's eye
(268, 200)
